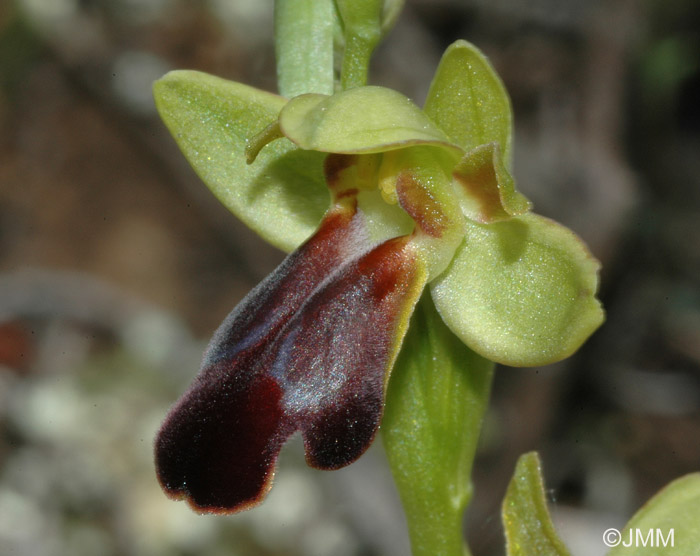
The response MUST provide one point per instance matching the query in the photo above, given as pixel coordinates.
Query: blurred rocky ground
(116, 264)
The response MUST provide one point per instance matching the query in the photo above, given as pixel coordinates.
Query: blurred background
(116, 264)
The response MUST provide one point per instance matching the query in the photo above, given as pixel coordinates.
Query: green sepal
(468, 101)
(526, 522)
(520, 292)
(282, 195)
(676, 507)
(360, 120)
(485, 188)
(437, 396)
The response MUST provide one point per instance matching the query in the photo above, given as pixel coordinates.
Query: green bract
(515, 287)
(667, 525)
(670, 517)
(528, 528)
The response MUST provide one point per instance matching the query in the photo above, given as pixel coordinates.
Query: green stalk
(437, 396)
(362, 29)
(356, 57)
(304, 46)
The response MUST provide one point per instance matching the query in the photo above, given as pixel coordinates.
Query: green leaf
(520, 292)
(675, 508)
(360, 120)
(282, 196)
(526, 521)
(437, 396)
(304, 46)
(485, 188)
(469, 102)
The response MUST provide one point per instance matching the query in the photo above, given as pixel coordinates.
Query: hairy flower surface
(417, 198)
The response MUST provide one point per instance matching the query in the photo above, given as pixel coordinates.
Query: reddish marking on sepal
(481, 184)
(420, 205)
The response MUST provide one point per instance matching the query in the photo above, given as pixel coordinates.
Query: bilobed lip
(309, 350)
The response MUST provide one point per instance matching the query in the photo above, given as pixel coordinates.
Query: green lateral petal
(485, 188)
(670, 517)
(526, 522)
(520, 292)
(469, 102)
(359, 120)
(437, 396)
(282, 196)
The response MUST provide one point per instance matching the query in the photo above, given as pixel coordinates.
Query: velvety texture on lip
(307, 350)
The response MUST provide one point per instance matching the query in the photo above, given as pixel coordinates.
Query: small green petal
(526, 522)
(468, 100)
(359, 120)
(520, 292)
(485, 188)
(671, 517)
(282, 196)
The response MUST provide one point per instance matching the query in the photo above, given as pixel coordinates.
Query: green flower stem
(355, 68)
(437, 396)
(304, 46)
(362, 30)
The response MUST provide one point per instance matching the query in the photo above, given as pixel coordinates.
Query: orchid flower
(377, 200)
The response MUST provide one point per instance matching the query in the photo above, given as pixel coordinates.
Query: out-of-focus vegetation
(116, 264)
